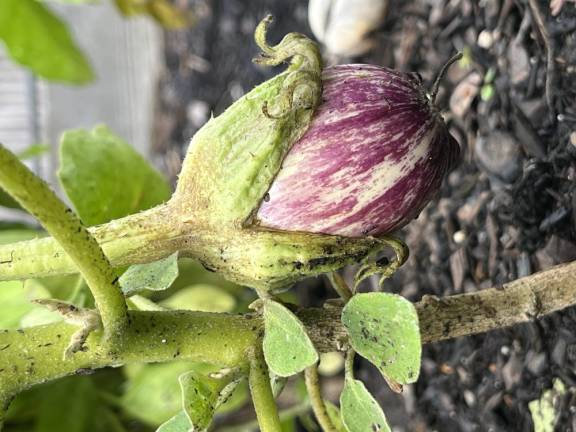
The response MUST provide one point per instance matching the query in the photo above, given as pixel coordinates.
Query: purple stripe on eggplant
(375, 154)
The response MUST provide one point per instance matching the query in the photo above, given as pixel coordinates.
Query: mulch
(507, 211)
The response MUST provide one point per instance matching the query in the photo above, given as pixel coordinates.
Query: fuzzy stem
(34, 355)
(349, 364)
(340, 286)
(318, 406)
(262, 396)
(61, 222)
(436, 84)
(139, 238)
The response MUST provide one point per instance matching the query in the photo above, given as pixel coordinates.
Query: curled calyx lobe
(230, 165)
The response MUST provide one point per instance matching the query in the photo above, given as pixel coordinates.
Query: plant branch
(138, 238)
(519, 301)
(318, 406)
(33, 356)
(262, 397)
(61, 222)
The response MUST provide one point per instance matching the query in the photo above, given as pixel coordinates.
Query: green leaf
(7, 201)
(383, 328)
(544, 410)
(68, 406)
(33, 151)
(287, 348)
(105, 178)
(201, 297)
(77, 2)
(179, 423)
(153, 393)
(359, 410)
(163, 11)
(202, 395)
(334, 415)
(154, 276)
(12, 236)
(15, 302)
(39, 40)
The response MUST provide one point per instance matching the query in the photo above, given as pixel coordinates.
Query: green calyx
(233, 159)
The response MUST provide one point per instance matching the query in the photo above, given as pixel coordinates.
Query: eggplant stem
(441, 74)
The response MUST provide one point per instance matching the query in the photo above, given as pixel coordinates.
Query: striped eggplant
(375, 154)
(308, 171)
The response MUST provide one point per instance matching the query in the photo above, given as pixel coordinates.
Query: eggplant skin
(375, 154)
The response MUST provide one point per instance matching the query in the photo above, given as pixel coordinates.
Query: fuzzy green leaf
(154, 276)
(335, 417)
(105, 178)
(384, 329)
(7, 201)
(39, 40)
(359, 410)
(179, 423)
(201, 297)
(287, 348)
(202, 395)
(153, 392)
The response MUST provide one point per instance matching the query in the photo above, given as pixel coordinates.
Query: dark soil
(507, 211)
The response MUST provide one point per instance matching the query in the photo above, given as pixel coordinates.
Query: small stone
(485, 39)
(519, 63)
(536, 363)
(464, 93)
(197, 113)
(559, 352)
(573, 139)
(459, 237)
(469, 398)
(499, 154)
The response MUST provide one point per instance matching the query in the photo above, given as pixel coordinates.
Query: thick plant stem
(262, 397)
(34, 355)
(138, 238)
(61, 222)
(318, 406)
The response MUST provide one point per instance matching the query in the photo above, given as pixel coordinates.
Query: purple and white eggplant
(374, 155)
(311, 170)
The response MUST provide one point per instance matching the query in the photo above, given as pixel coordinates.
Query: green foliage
(105, 178)
(153, 394)
(33, 151)
(7, 201)
(202, 395)
(287, 348)
(384, 329)
(15, 302)
(38, 39)
(335, 416)
(201, 297)
(156, 393)
(68, 405)
(163, 11)
(544, 410)
(359, 410)
(155, 276)
(179, 423)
